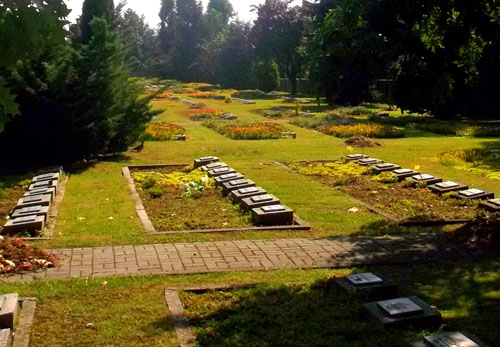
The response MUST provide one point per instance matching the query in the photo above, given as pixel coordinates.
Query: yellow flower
(350, 149)
(416, 168)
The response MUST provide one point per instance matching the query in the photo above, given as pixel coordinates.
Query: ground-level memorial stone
(447, 187)
(369, 161)
(204, 161)
(353, 157)
(42, 191)
(452, 339)
(35, 200)
(272, 215)
(9, 308)
(30, 224)
(38, 210)
(289, 134)
(247, 204)
(237, 195)
(368, 285)
(492, 205)
(385, 167)
(426, 178)
(213, 166)
(474, 194)
(221, 171)
(228, 187)
(47, 177)
(42, 184)
(219, 180)
(404, 313)
(403, 174)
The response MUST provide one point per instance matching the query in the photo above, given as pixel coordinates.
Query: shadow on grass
(467, 294)
(85, 165)
(284, 316)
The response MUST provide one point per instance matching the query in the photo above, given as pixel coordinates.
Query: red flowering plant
(16, 256)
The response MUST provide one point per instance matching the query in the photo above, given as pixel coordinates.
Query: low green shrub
(148, 183)
(155, 192)
(386, 177)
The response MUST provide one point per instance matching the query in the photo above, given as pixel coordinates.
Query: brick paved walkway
(205, 257)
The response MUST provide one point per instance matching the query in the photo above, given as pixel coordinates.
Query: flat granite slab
(353, 157)
(44, 184)
(403, 174)
(426, 178)
(9, 308)
(474, 194)
(369, 285)
(35, 200)
(213, 166)
(247, 204)
(220, 171)
(385, 167)
(30, 224)
(228, 177)
(492, 205)
(369, 161)
(447, 187)
(228, 187)
(237, 195)
(42, 191)
(409, 312)
(5, 338)
(47, 177)
(272, 215)
(37, 210)
(204, 161)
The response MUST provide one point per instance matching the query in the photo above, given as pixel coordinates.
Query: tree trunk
(293, 84)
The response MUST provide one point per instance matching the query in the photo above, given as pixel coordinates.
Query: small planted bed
(178, 198)
(162, 132)
(398, 200)
(204, 114)
(17, 256)
(247, 131)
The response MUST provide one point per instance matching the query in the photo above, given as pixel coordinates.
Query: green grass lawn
(100, 192)
(294, 307)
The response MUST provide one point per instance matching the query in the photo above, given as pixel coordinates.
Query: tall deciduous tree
(167, 35)
(278, 33)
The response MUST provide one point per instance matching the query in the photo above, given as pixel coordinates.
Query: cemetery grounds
(287, 307)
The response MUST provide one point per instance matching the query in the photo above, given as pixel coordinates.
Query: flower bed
(395, 199)
(483, 162)
(162, 132)
(16, 256)
(201, 95)
(163, 95)
(247, 131)
(368, 130)
(204, 114)
(178, 198)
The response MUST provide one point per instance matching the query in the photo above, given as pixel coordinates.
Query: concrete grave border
(183, 330)
(299, 224)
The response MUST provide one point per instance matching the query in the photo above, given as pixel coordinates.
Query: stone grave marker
(353, 157)
(237, 195)
(42, 191)
(369, 161)
(272, 215)
(30, 224)
(204, 161)
(474, 194)
(229, 116)
(446, 187)
(219, 180)
(180, 137)
(228, 187)
(37, 210)
(248, 204)
(224, 170)
(492, 205)
(43, 200)
(403, 174)
(213, 166)
(46, 177)
(385, 167)
(8, 310)
(43, 184)
(404, 312)
(451, 339)
(428, 179)
(51, 169)
(291, 134)
(368, 285)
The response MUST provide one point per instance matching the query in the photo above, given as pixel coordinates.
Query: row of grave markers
(392, 311)
(265, 209)
(435, 184)
(32, 210)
